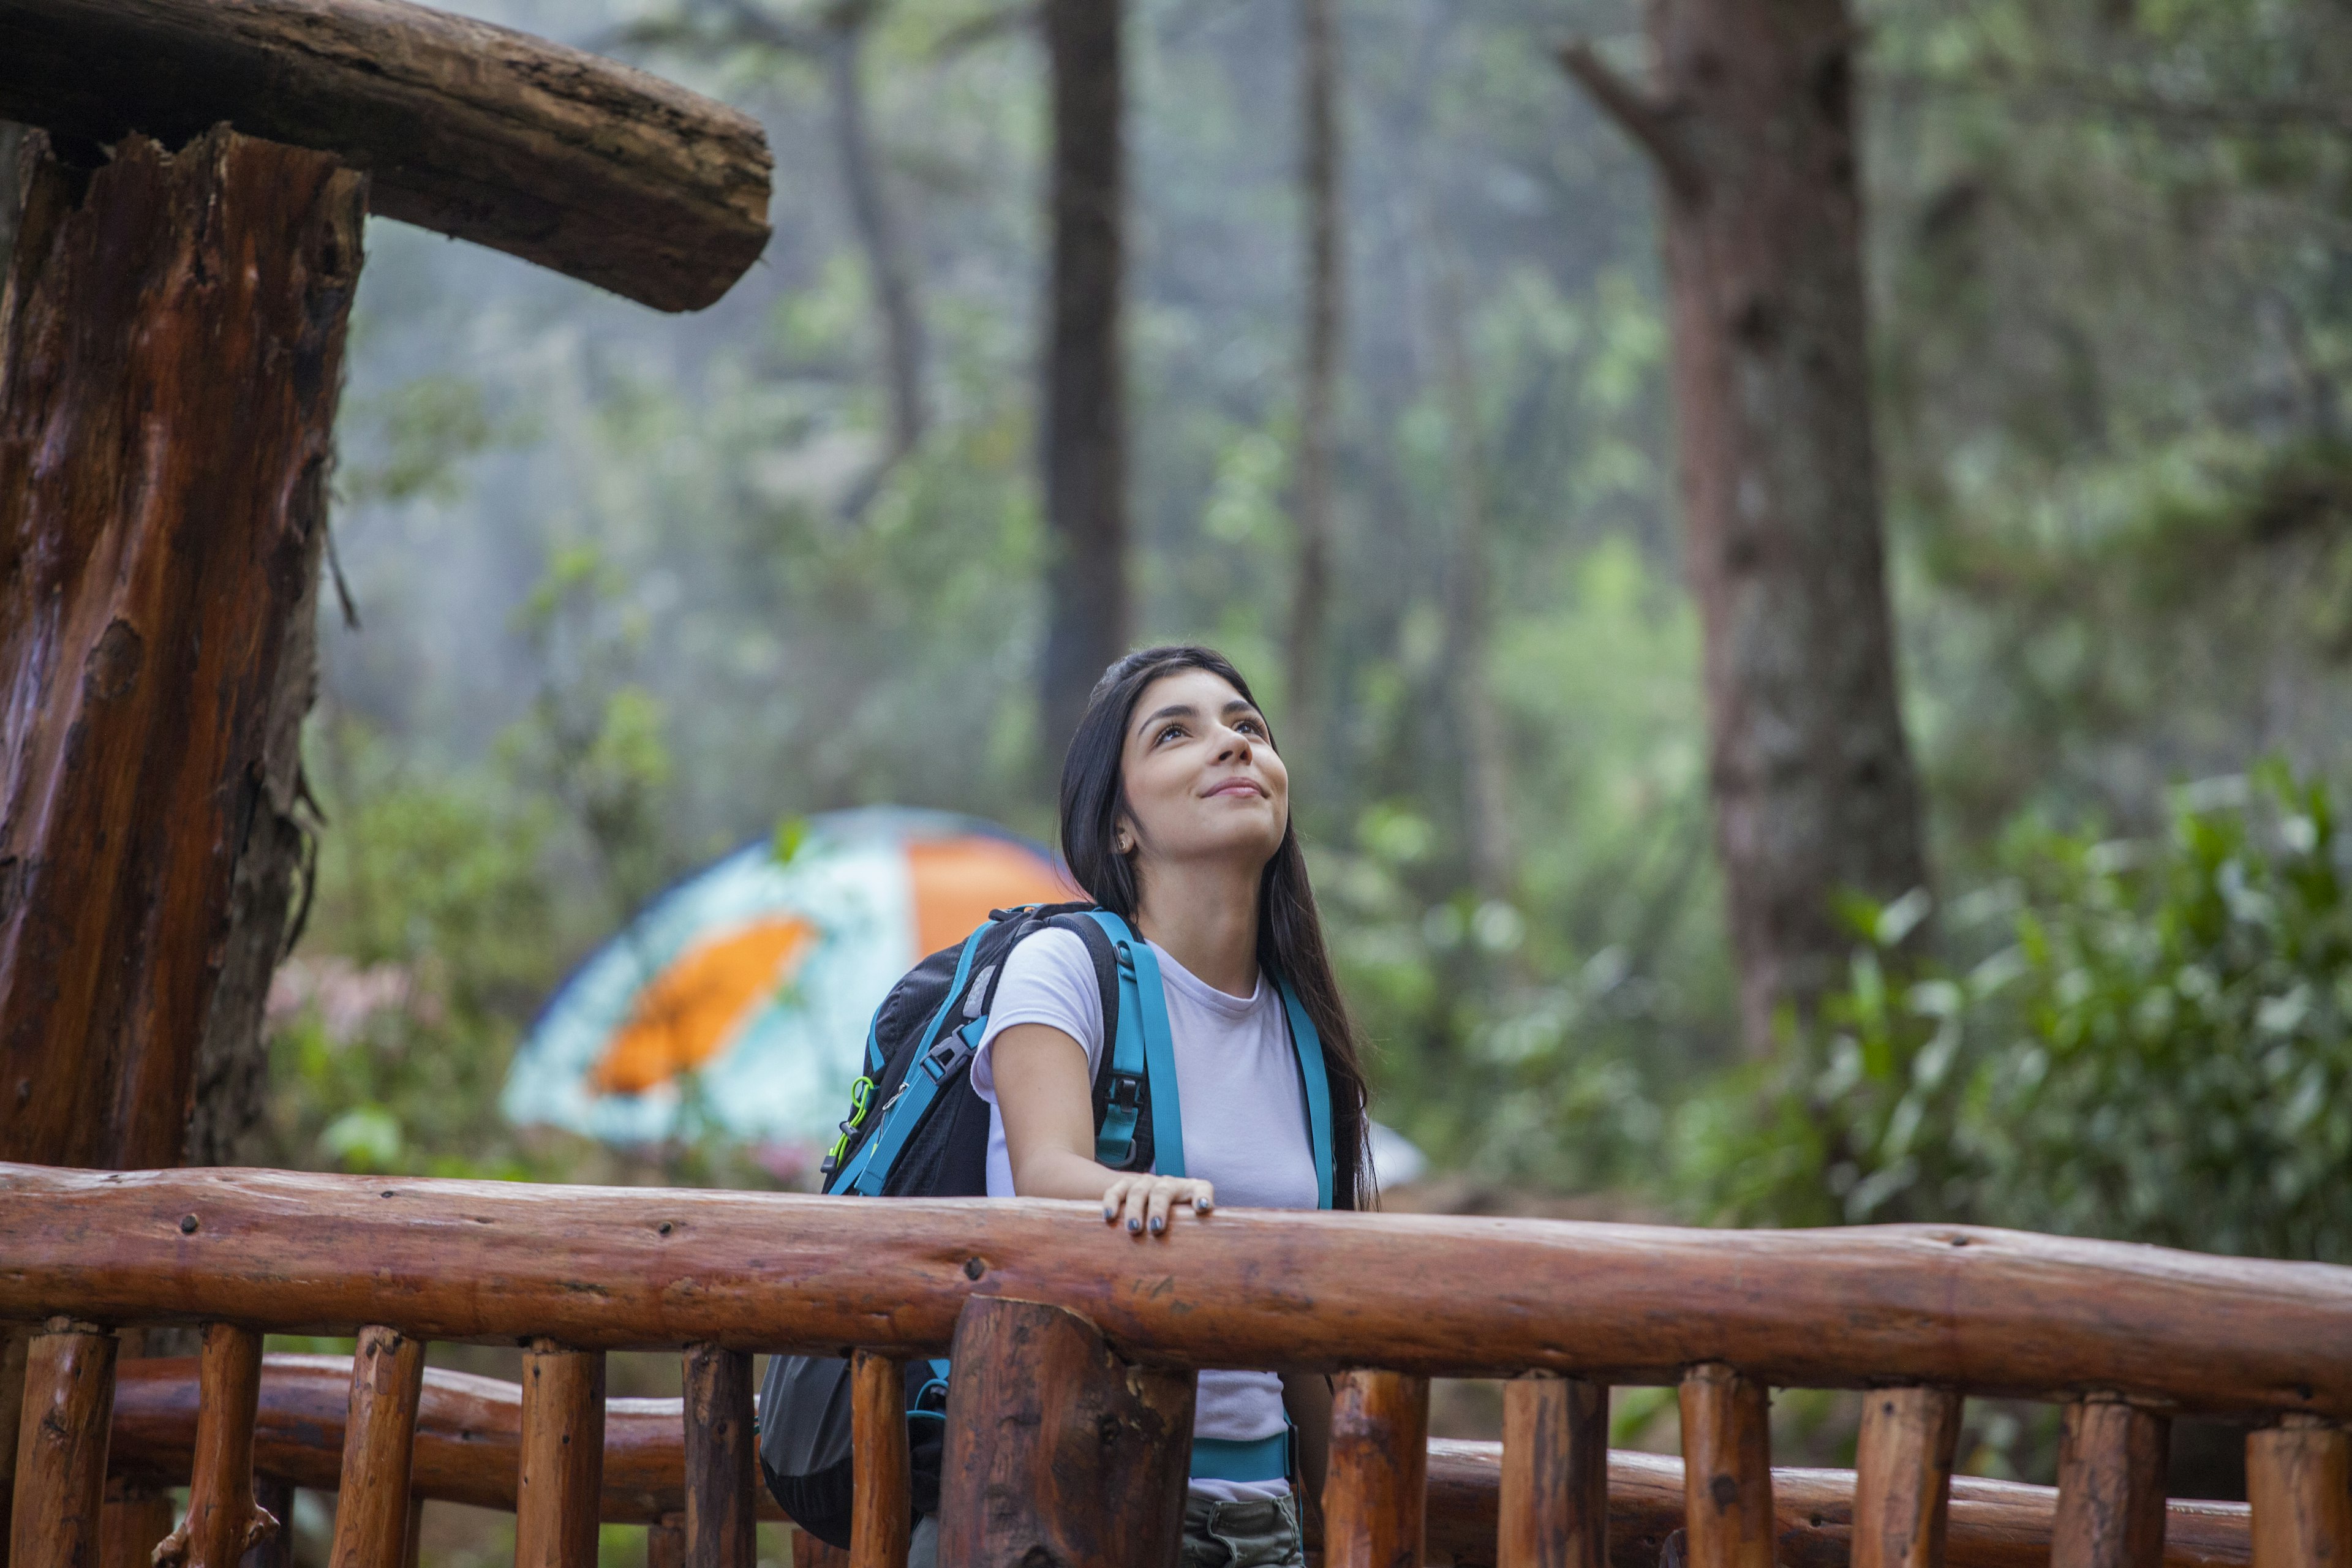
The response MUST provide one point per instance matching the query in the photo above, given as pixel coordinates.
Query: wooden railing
(468, 1446)
(1074, 1347)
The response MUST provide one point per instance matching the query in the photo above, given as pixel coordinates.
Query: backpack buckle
(949, 1054)
(1126, 1092)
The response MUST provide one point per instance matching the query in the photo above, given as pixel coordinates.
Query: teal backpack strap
(1142, 1050)
(933, 1062)
(1309, 1046)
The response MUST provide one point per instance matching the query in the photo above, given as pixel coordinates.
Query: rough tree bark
(168, 378)
(1319, 157)
(1752, 128)
(12, 138)
(1084, 439)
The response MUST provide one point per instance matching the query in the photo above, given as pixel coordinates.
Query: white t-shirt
(1245, 1124)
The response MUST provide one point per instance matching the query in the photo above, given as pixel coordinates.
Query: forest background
(619, 592)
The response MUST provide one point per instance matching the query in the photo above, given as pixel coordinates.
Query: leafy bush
(2156, 1048)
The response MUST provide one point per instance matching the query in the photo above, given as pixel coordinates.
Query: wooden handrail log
(1984, 1312)
(467, 1433)
(576, 163)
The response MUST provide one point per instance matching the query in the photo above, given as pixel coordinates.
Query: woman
(1176, 816)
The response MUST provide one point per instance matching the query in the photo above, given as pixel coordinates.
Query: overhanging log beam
(565, 159)
(1980, 1311)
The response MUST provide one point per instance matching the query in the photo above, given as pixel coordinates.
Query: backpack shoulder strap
(1317, 1081)
(1120, 1089)
(1142, 1052)
(1105, 962)
(934, 1063)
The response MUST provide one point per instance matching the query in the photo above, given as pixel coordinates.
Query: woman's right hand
(1151, 1203)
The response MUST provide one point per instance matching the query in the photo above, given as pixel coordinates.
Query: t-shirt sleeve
(1049, 979)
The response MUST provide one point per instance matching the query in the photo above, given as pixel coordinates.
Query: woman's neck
(1206, 917)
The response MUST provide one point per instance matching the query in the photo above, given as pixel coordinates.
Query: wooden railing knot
(260, 1528)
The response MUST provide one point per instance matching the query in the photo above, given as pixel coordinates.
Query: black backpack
(917, 1128)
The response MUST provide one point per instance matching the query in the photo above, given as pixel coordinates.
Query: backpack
(917, 1128)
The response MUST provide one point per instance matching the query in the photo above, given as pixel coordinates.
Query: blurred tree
(837, 40)
(1484, 785)
(905, 349)
(1751, 131)
(1084, 440)
(1321, 155)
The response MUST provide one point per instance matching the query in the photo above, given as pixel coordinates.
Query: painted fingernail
(1157, 1224)
(1200, 1205)
(1134, 1223)
(1109, 1214)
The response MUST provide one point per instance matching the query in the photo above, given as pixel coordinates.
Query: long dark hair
(1289, 931)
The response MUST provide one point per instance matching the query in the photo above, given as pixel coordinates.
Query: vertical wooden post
(2111, 1463)
(379, 1445)
(1903, 1477)
(1058, 1450)
(560, 1497)
(721, 1464)
(882, 1515)
(1726, 1469)
(224, 1522)
(808, 1552)
(61, 1436)
(275, 1498)
(1375, 1501)
(1555, 1493)
(666, 1542)
(174, 352)
(412, 1539)
(2299, 1481)
(15, 1340)
(138, 1514)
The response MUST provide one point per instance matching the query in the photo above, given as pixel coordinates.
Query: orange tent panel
(682, 1018)
(957, 880)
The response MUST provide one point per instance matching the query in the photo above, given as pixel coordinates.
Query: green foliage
(423, 431)
(2158, 1048)
(429, 938)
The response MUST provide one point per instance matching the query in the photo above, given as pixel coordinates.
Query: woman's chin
(1252, 838)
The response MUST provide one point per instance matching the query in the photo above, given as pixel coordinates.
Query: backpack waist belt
(1234, 1459)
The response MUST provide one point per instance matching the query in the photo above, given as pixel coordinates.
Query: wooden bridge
(1068, 1426)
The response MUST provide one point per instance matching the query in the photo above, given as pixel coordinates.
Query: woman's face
(1203, 779)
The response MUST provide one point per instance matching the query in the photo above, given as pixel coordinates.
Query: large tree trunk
(1752, 128)
(167, 397)
(1318, 180)
(1083, 443)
